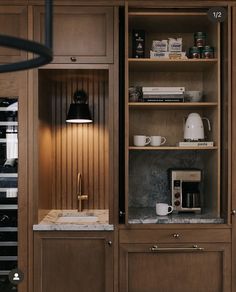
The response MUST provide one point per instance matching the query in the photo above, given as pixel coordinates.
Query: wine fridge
(8, 190)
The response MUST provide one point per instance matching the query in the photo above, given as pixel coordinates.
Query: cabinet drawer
(80, 34)
(175, 235)
(175, 267)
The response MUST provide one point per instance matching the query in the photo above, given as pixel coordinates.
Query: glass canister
(200, 39)
(207, 52)
(194, 52)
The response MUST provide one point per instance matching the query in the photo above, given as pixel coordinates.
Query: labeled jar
(200, 39)
(207, 52)
(194, 53)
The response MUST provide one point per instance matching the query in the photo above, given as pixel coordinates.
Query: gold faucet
(80, 196)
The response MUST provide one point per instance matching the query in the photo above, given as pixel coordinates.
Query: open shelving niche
(147, 181)
(66, 149)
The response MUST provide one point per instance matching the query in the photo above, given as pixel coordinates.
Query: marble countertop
(50, 221)
(148, 216)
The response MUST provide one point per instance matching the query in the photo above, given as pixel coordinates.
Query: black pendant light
(44, 52)
(79, 110)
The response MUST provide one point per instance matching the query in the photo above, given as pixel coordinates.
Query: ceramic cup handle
(164, 140)
(171, 209)
(148, 140)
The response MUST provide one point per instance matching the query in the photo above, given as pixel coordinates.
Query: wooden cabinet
(81, 34)
(179, 268)
(73, 261)
(13, 22)
(175, 259)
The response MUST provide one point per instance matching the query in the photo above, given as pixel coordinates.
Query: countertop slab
(49, 223)
(148, 216)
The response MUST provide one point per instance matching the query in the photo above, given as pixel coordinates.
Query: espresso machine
(185, 190)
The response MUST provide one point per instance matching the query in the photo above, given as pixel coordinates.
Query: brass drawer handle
(109, 242)
(73, 59)
(155, 248)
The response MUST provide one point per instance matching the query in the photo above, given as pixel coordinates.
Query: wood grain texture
(16, 19)
(167, 236)
(174, 269)
(77, 148)
(73, 261)
(233, 187)
(92, 25)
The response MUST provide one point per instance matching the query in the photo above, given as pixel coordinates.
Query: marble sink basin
(77, 217)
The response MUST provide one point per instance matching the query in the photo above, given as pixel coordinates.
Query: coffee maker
(185, 190)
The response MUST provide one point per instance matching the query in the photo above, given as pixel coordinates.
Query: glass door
(8, 190)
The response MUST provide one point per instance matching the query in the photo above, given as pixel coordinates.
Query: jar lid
(200, 34)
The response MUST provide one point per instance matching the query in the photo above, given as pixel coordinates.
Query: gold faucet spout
(80, 196)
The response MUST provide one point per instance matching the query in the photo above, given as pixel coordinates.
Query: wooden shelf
(8, 123)
(147, 64)
(9, 174)
(171, 105)
(172, 148)
(169, 22)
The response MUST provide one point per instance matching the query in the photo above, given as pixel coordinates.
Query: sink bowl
(77, 218)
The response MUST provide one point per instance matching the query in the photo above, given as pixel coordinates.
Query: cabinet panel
(175, 236)
(13, 22)
(175, 268)
(81, 34)
(65, 262)
(234, 152)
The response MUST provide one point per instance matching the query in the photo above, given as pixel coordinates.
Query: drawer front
(175, 267)
(175, 235)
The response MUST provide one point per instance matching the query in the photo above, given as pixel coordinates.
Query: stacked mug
(142, 140)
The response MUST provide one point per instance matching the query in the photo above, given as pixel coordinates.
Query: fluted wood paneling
(80, 148)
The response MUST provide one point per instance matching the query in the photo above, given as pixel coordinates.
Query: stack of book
(163, 94)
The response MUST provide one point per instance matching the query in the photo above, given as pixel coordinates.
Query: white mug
(157, 140)
(162, 209)
(141, 140)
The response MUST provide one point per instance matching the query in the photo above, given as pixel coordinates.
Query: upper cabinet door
(80, 34)
(13, 22)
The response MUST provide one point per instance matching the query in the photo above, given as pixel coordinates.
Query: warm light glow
(79, 121)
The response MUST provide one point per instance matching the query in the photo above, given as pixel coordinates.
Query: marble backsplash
(148, 179)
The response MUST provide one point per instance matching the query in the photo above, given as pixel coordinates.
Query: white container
(193, 96)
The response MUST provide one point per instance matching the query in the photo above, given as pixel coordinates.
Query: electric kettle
(194, 129)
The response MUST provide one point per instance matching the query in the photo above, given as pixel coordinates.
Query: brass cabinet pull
(73, 59)
(176, 249)
(109, 242)
(176, 235)
(233, 212)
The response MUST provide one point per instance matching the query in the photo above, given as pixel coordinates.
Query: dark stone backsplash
(148, 179)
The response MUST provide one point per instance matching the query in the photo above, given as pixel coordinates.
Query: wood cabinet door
(233, 32)
(13, 22)
(80, 34)
(169, 268)
(73, 262)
